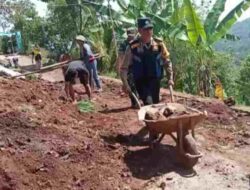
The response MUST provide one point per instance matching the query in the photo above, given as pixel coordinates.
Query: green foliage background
(189, 31)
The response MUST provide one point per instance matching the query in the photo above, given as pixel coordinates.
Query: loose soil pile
(169, 110)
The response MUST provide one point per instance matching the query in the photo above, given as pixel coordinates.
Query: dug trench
(46, 143)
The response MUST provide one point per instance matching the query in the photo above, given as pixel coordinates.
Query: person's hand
(171, 82)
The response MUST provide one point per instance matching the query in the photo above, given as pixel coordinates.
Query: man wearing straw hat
(89, 59)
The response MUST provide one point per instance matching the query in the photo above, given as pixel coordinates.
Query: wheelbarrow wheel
(191, 155)
(190, 145)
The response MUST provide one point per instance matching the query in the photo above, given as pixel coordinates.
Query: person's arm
(167, 65)
(86, 53)
(126, 62)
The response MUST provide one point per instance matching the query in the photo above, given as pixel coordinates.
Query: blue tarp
(18, 38)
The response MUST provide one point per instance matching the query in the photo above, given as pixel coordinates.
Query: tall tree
(243, 82)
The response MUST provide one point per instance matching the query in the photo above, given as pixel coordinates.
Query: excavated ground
(46, 143)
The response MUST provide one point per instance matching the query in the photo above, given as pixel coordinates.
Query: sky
(42, 8)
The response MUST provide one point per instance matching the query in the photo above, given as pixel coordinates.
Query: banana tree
(214, 28)
(204, 35)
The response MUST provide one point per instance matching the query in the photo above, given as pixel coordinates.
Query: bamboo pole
(44, 69)
(50, 67)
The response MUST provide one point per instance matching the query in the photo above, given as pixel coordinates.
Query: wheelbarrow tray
(170, 124)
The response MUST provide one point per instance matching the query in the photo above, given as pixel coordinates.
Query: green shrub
(85, 106)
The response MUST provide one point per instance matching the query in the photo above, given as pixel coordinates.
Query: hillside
(241, 48)
(45, 143)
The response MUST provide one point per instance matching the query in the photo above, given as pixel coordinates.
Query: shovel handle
(171, 93)
(136, 99)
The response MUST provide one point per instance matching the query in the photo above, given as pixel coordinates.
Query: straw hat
(81, 38)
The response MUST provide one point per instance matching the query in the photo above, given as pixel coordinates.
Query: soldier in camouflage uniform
(130, 36)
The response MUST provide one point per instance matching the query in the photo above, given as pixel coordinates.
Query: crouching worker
(76, 69)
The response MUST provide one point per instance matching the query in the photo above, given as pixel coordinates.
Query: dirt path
(45, 143)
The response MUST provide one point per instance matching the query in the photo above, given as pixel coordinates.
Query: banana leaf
(195, 29)
(213, 16)
(229, 20)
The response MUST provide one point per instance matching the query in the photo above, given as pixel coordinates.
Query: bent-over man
(76, 69)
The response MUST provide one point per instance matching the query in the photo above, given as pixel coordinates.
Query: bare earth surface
(46, 143)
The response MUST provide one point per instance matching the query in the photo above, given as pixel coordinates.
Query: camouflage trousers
(132, 86)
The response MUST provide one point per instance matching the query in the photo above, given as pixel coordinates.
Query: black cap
(144, 22)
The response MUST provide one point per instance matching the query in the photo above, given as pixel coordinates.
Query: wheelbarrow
(178, 127)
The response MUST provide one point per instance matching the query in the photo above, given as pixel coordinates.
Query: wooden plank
(238, 108)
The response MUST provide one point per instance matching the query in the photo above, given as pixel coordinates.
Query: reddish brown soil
(46, 143)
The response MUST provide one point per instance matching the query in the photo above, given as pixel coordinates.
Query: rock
(154, 116)
(163, 185)
(113, 146)
(126, 188)
(169, 178)
(168, 112)
(124, 174)
(243, 142)
(2, 144)
(74, 178)
(81, 122)
(150, 116)
(87, 147)
(248, 176)
(20, 143)
(246, 134)
(3, 110)
(26, 183)
(79, 182)
(10, 144)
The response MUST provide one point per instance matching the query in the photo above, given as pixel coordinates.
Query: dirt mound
(218, 112)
